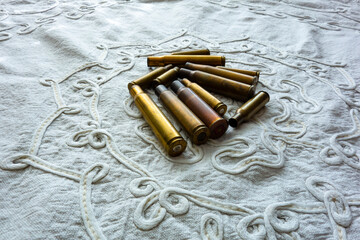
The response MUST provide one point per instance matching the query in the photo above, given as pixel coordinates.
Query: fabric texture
(79, 162)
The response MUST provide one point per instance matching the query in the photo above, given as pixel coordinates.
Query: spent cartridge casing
(195, 128)
(193, 52)
(247, 72)
(246, 111)
(239, 77)
(166, 78)
(230, 88)
(180, 60)
(169, 137)
(216, 124)
(146, 80)
(212, 101)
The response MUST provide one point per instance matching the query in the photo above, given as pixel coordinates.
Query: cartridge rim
(201, 135)
(221, 108)
(176, 146)
(218, 128)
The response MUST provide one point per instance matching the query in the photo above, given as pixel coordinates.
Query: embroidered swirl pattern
(277, 134)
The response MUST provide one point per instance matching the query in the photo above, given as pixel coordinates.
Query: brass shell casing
(196, 129)
(246, 111)
(230, 88)
(193, 52)
(247, 72)
(239, 77)
(212, 101)
(146, 80)
(169, 137)
(166, 78)
(216, 124)
(180, 60)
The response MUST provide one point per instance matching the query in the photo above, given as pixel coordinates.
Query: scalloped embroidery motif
(278, 218)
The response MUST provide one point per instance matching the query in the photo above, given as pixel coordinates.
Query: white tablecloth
(79, 162)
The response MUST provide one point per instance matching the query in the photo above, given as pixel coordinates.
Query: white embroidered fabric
(77, 160)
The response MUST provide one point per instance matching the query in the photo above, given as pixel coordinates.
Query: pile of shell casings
(180, 82)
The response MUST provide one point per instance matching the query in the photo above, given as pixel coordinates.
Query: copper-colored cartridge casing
(193, 52)
(230, 88)
(247, 72)
(246, 111)
(216, 124)
(212, 101)
(169, 137)
(166, 78)
(239, 77)
(146, 80)
(196, 129)
(180, 60)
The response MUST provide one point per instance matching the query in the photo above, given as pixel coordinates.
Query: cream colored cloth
(77, 160)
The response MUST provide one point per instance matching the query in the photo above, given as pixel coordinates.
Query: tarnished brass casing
(247, 72)
(193, 52)
(239, 77)
(196, 129)
(212, 101)
(246, 111)
(169, 137)
(166, 78)
(146, 80)
(180, 60)
(230, 88)
(216, 124)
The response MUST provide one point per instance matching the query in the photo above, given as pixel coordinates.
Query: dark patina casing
(210, 99)
(180, 60)
(224, 86)
(246, 111)
(239, 77)
(169, 137)
(216, 124)
(195, 128)
(146, 80)
(193, 52)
